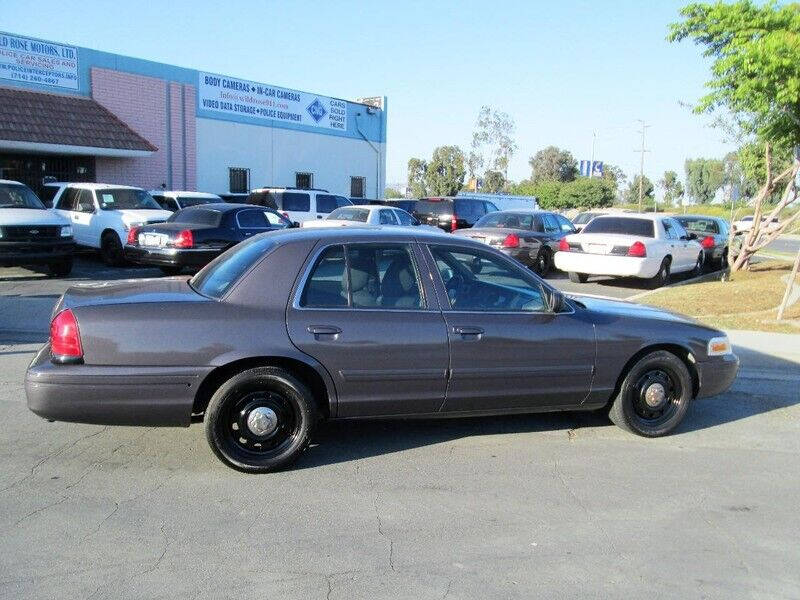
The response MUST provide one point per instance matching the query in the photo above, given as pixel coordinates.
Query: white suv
(298, 205)
(101, 215)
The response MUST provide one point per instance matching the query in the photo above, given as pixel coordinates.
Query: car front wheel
(654, 396)
(260, 420)
(111, 250)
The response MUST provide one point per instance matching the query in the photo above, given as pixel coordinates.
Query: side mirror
(476, 265)
(555, 301)
(692, 236)
(295, 224)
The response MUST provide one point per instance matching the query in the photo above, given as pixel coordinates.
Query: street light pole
(591, 162)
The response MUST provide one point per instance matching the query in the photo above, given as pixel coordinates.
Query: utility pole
(591, 162)
(641, 163)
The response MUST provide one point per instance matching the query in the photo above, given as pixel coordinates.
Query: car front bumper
(151, 396)
(171, 257)
(606, 264)
(35, 252)
(716, 374)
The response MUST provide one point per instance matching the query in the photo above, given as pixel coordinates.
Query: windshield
(196, 217)
(126, 198)
(350, 214)
(186, 201)
(218, 276)
(18, 196)
(621, 225)
(506, 220)
(583, 218)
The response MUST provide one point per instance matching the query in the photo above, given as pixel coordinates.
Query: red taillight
(637, 249)
(563, 246)
(511, 241)
(65, 339)
(708, 242)
(453, 223)
(285, 214)
(133, 236)
(184, 239)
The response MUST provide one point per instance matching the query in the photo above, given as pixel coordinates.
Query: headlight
(718, 346)
(66, 231)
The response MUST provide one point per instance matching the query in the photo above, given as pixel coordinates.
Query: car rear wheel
(698, 266)
(260, 420)
(111, 249)
(577, 277)
(662, 277)
(654, 396)
(61, 268)
(543, 263)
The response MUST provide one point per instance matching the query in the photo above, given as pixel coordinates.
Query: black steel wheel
(698, 266)
(543, 262)
(111, 249)
(654, 396)
(260, 420)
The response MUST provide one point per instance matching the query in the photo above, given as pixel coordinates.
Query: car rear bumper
(716, 375)
(34, 252)
(606, 264)
(171, 257)
(151, 396)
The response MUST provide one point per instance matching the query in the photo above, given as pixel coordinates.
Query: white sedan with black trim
(646, 246)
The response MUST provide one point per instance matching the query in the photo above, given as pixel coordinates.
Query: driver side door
(507, 350)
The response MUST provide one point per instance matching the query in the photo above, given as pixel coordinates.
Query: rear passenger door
(364, 312)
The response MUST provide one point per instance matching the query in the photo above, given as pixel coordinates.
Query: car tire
(640, 407)
(698, 268)
(543, 262)
(577, 277)
(111, 250)
(260, 420)
(61, 268)
(660, 278)
(167, 270)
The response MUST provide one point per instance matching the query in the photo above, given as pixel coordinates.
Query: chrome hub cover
(655, 396)
(262, 421)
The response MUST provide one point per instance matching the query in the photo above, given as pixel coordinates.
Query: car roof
(647, 216)
(183, 194)
(101, 186)
(11, 182)
(709, 217)
(223, 207)
(367, 233)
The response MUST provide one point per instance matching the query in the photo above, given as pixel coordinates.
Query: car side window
(274, 218)
(387, 217)
(68, 199)
(85, 203)
(326, 286)
(489, 207)
(680, 232)
(669, 229)
(296, 201)
(550, 223)
(403, 217)
(479, 281)
(566, 226)
(252, 219)
(171, 204)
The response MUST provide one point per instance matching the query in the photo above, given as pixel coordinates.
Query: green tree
(704, 176)
(548, 193)
(416, 177)
(494, 134)
(615, 176)
(391, 193)
(553, 164)
(755, 79)
(632, 191)
(672, 186)
(444, 174)
(586, 192)
(493, 182)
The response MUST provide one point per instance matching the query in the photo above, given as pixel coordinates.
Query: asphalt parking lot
(559, 505)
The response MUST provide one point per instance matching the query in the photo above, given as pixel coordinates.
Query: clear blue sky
(560, 69)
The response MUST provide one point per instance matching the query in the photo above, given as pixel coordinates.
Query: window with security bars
(304, 181)
(357, 186)
(239, 180)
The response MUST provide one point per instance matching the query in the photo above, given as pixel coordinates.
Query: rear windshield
(196, 217)
(434, 207)
(350, 214)
(196, 200)
(216, 278)
(699, 225)
(18, 196)
(583, 218)
(506, 220)
(125, 198)
(260, 197)
(623, 225)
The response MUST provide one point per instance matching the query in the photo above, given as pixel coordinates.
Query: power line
(641, 162)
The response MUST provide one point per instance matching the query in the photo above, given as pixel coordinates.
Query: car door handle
(467, 331)
(319, 330)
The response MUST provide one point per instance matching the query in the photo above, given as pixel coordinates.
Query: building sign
(591, 169)
(237, 97)
(32, 61)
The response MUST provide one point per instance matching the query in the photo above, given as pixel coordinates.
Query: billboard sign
(596, 169)
(241, 98)
(31, 61)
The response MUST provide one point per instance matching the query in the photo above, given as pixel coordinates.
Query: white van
(101, 215)
(30, 234)
(298, 205)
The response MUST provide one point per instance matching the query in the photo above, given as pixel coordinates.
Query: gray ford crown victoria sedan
(295, 326)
